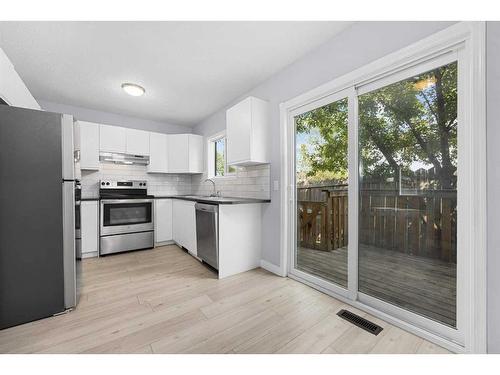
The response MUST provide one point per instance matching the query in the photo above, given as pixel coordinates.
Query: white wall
(493, 182)
(101, 117)
(357, 46)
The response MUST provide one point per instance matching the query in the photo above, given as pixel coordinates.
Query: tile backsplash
(158, 184)
(249, 182)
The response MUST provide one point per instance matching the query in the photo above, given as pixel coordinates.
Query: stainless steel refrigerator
(37, 215)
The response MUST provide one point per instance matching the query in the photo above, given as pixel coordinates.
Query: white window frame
(211, 157)
(467, 40)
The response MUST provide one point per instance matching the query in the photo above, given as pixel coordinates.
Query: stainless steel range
(126, 216)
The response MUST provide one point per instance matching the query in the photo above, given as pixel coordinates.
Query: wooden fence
(423, 224)
(322, 213)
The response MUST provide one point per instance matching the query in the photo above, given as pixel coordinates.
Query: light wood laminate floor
(165, 301)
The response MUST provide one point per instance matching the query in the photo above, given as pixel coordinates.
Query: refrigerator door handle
(69, 246)
(68, 164)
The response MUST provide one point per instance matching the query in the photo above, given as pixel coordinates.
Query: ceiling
(189, 69)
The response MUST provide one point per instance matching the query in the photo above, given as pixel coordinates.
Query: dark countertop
(221, 200)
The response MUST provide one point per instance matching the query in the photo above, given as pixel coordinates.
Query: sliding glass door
(321, 190)
(376, 194)
(407, 217)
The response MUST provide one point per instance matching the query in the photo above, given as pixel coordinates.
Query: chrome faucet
(215, 193)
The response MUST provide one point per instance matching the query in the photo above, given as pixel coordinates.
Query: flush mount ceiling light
(133, 89)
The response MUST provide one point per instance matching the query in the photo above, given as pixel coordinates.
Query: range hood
(118, 158)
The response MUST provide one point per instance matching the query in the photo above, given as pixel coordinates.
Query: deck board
(423, 285)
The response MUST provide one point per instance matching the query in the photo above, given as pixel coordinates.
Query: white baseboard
(92, 254)
(164, 243)
(271, 267)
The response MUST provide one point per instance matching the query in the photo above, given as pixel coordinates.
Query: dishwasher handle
(207, 207)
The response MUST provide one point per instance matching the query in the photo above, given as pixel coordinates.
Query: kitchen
(189, 196)
(115, 215)
(130, 217)
(125, 190)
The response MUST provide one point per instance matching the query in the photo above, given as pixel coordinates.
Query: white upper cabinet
(87, 142)
(12, 88)
(195, 153)
(185, 153)
(178, 153)
(247, 131)
(124, 140)
(158, 156)
(137, 142)
(113, 139)
(168, 153)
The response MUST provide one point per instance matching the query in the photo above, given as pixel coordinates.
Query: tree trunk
(446, 173)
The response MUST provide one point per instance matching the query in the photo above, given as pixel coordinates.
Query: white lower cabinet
(184, 224)
(163, 220)
(240, 238)
(89, 224)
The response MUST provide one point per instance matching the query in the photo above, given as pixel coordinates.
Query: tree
(326, 156)
(219, 164)
(402, 126)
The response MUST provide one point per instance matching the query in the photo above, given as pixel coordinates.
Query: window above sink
(217, 157)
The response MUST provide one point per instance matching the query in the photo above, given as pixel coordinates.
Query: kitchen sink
(208, 197)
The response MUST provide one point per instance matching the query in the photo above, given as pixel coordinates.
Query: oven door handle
(112, 201)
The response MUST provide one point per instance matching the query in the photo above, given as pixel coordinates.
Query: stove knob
(107, 183)
(102, 183)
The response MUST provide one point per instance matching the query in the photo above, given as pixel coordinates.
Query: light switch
(276, 185)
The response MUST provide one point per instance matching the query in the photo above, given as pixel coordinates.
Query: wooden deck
(422, 285)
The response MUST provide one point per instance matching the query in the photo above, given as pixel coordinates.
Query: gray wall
(100, 117)
(358, 45)
(493, 186)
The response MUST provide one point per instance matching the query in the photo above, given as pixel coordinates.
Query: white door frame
(470, 36)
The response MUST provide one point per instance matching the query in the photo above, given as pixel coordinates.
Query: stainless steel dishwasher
(207, 233)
